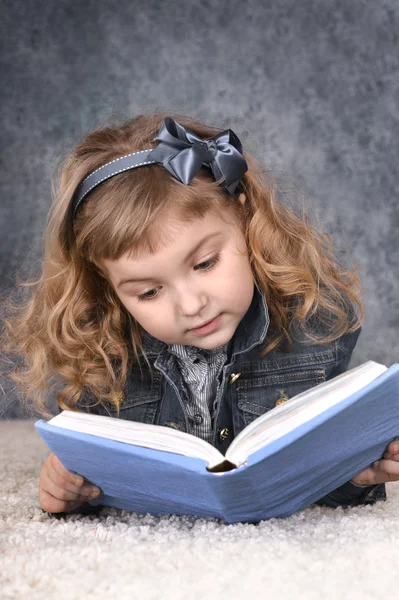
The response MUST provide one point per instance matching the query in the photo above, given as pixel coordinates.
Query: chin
(211, 342)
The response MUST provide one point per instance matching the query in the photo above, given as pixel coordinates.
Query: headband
(182, 154)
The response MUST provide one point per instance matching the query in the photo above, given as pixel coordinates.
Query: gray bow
(182, 154)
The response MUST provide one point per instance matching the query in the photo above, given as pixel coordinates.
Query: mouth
(206, 326)
(203, 324)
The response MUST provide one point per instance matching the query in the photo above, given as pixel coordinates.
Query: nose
(190, 301)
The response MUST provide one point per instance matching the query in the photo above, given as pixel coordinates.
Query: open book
(283, 461)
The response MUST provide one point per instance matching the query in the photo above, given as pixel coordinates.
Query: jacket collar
(250, 332)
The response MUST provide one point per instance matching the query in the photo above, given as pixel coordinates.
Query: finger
(392, 450)
(389, 467)
(67, 488)
(63, 493)
(370, 476)
(390, 455)
(51, 504)
(64, 473)
(63, 478)
(379, 472)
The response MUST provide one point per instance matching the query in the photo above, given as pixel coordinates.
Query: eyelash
(213, 261)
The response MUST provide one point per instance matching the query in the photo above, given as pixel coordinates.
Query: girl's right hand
(60, 490)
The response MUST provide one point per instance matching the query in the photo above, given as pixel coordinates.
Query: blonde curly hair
(72, 329)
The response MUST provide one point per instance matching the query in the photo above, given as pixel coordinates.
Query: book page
(300, 409)
(156, 437)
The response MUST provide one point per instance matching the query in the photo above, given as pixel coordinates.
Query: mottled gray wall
(314, 83)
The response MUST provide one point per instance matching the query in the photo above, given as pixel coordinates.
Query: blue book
(282, 462)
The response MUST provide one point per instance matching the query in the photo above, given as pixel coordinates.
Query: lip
(207, 327)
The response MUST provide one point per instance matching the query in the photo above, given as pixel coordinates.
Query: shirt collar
(250, 332)
(192, 352)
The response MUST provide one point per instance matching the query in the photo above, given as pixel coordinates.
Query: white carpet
(317, 553)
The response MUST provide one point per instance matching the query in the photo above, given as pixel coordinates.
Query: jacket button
(223, 433)
(281, 401)
(234, 377)
(198, 419)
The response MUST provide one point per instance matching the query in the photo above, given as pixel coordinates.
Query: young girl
(177, 290)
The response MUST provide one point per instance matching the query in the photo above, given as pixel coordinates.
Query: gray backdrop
(314, 84)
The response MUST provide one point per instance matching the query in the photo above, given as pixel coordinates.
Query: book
(282, 462)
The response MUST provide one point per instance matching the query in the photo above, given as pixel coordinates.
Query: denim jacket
(250, 386)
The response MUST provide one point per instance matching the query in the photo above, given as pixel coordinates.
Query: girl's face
(202, 273)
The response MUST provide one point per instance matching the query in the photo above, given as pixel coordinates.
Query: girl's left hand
(382, 471)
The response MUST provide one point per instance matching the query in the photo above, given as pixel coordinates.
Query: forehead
(172, 238)
(180, 232)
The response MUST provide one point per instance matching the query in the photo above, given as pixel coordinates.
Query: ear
(242, 198)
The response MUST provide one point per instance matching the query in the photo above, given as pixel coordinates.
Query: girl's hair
(72, 328)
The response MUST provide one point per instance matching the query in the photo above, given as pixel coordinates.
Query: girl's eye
(209, 264)
(145, 296)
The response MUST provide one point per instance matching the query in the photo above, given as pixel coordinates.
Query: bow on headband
(182, 154)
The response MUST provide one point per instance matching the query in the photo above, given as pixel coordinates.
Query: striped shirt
(201, 372)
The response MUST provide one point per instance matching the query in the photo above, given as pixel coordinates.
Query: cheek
(238, 281)
(151, 319)
(140, 312)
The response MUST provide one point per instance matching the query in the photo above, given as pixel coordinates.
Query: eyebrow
(189, 255)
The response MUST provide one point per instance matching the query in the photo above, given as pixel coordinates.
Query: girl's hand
(382, 471)
(59, 489)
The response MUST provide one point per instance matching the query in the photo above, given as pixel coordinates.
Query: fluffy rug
(317, 553)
